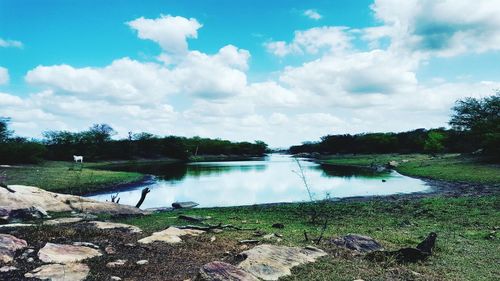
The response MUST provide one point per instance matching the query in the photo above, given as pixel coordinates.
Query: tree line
(475, 127)
(96, 144)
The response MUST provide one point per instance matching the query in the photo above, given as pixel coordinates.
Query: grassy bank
(449, 167)
(67, 177)
(467, 248)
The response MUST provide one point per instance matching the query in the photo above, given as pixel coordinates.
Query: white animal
(78, 158)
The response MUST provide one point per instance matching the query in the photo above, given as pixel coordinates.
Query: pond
(276, 178)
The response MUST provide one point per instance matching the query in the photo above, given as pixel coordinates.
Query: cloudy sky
(279, 71)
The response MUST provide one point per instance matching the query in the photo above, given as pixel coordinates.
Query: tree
(481, 119)
(5, 133)
(434, 142)
(100, 133)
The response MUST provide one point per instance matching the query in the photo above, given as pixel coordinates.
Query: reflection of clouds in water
(252, 182)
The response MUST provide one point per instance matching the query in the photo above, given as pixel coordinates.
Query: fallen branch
(8, 188)
(145, 192)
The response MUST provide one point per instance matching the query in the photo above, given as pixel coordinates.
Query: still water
(272, 179)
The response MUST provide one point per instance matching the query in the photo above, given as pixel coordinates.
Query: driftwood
(208, 227)
(145, 192)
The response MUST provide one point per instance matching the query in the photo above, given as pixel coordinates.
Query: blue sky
(292, 71)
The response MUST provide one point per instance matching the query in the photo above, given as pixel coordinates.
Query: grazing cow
(78, 158)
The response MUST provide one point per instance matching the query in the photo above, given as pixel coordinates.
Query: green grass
(449, 167)
(67, 177)
(468, 244)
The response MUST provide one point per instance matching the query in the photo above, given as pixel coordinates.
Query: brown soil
(166, 262)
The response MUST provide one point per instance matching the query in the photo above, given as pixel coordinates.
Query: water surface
(273, 179)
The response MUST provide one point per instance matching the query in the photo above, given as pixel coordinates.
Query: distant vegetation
(475, 127)
(96, 144)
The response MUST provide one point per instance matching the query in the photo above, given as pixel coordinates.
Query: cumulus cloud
(312, 14)
(312, 41)
(170, 32)
(10, 43)
(443, 28)
(4, 75)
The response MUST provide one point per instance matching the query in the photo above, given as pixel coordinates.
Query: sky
(279, 71)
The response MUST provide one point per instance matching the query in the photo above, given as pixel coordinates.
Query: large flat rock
(171, 235)
(60, 272)
(221, 271)
(61, 253)
(62, 221)
(358, 243)
(29, 196)
(8, 246)
(270, 262)
(113, 225)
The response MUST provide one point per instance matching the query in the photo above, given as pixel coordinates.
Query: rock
(142, 262)
(115, 278)
(170, 235)
(278, 225)
(86, 244)
(4, 269)
(60, 272)
(116, 263)
(270, 262)
(30, 259)
(60, 253)
(212, 239)
(15, 225)
(191, 218)
(184, 205)
(110, 250)
(8, 246)
(359, 243)
(248, 241)
(221, 271)
(29, 196)
(113, 225)
(272, 236)
(392, 164)
(62, 221)
(85, 216)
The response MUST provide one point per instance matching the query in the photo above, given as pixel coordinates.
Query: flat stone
(62, 221)
(184, 205)
(60, 272)
(14, 225)
(60, 253)
(170, 235)
(113, 225)
(115, 278)
(221, 271)
(8, 268)
(270, 262)
(116, 263)
(110, 250)
(29, 196)
(86, 244)
(9, 244)
(142, 262)
(359, 243)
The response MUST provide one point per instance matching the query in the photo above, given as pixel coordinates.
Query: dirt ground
(166, 262)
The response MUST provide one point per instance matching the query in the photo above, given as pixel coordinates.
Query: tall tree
(5, 133)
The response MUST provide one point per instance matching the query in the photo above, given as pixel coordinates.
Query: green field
(467, 248)
(67, 177)
(449, 167)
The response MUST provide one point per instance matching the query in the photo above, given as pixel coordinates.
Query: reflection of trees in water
(177, 172)
(349, 172)
(206, 170)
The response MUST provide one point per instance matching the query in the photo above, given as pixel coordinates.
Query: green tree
(5, 133)
(434, 142)
(481, 119)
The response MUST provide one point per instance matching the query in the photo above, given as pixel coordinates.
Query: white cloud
(443, 28)
(170, 32)
(312, 41)
(312, 14)
(4, 75)
(10, 43)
